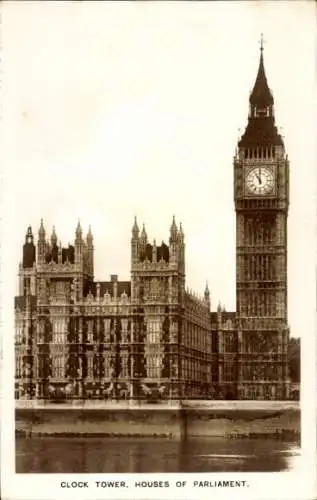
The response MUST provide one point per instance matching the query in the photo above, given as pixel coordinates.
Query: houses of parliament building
(149, 338)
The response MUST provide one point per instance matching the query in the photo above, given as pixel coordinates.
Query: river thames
(105, 455)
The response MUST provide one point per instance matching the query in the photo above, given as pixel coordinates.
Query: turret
(154, 252)
(41, 244)
(181, 247)
(60, 254)
(78, 233)
(54, 238)
(143, 240)
(173, 231)
(90, 252)
(79, 244)
(219, 310)
(173, 241)
(28, 249)
(180, 236)
(207, 295)
(135, 242)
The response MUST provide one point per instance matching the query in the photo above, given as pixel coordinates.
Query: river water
(104, 455)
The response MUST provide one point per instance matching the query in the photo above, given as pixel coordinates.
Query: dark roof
(29, 255)
(261, 94)
(261, 131)
(162, 252)
(67, 254)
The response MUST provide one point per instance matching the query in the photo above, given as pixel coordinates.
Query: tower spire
(143, 234)
(78, 232)
(261, 95)
(173, 230)
(261, 43)
(42, 231)
(54, 237)
(261, 130)
(89, 237)
(180, 234)
(135, 229)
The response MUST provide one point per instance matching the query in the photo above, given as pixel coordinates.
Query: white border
(298, 484)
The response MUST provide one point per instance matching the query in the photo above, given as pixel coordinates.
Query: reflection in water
(104, 455)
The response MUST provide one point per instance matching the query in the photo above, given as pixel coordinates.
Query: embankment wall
(172, 423)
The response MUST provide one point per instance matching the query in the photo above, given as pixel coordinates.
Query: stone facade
(149, 338)
(261, 171)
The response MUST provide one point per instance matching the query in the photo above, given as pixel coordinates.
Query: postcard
(158, 250)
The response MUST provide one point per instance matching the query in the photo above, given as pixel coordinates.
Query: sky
(112, 110)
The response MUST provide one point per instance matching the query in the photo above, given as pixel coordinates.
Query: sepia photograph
(159, 207)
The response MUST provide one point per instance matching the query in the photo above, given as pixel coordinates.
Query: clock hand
(258, 178)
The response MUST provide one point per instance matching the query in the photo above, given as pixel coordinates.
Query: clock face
(260, 181)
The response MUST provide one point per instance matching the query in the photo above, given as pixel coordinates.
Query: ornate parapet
(196, 307)
(58, 268)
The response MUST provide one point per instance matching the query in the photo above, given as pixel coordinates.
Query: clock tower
(261, 192)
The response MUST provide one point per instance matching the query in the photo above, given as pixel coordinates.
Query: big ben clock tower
(261, 191)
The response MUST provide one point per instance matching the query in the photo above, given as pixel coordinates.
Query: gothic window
(273, 304)
(60, 291)
(252, 268)
(253, 392)
(124, 331)
(229, 343)
(58, 331)
(19, 333)
(150, 332)
(41, 332)
(18, 367)
(90, 366)
(229, 324)
(124, 372)
(124, 299)
(258, 267)
(229, 372)
(264, 267)
(107, 324)
(58, 366)
(107, 366)
(259, 233)
(150, 366)
(90, 336)
(153, 331)
(273, 267)
(154, 292)
(249, 231)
